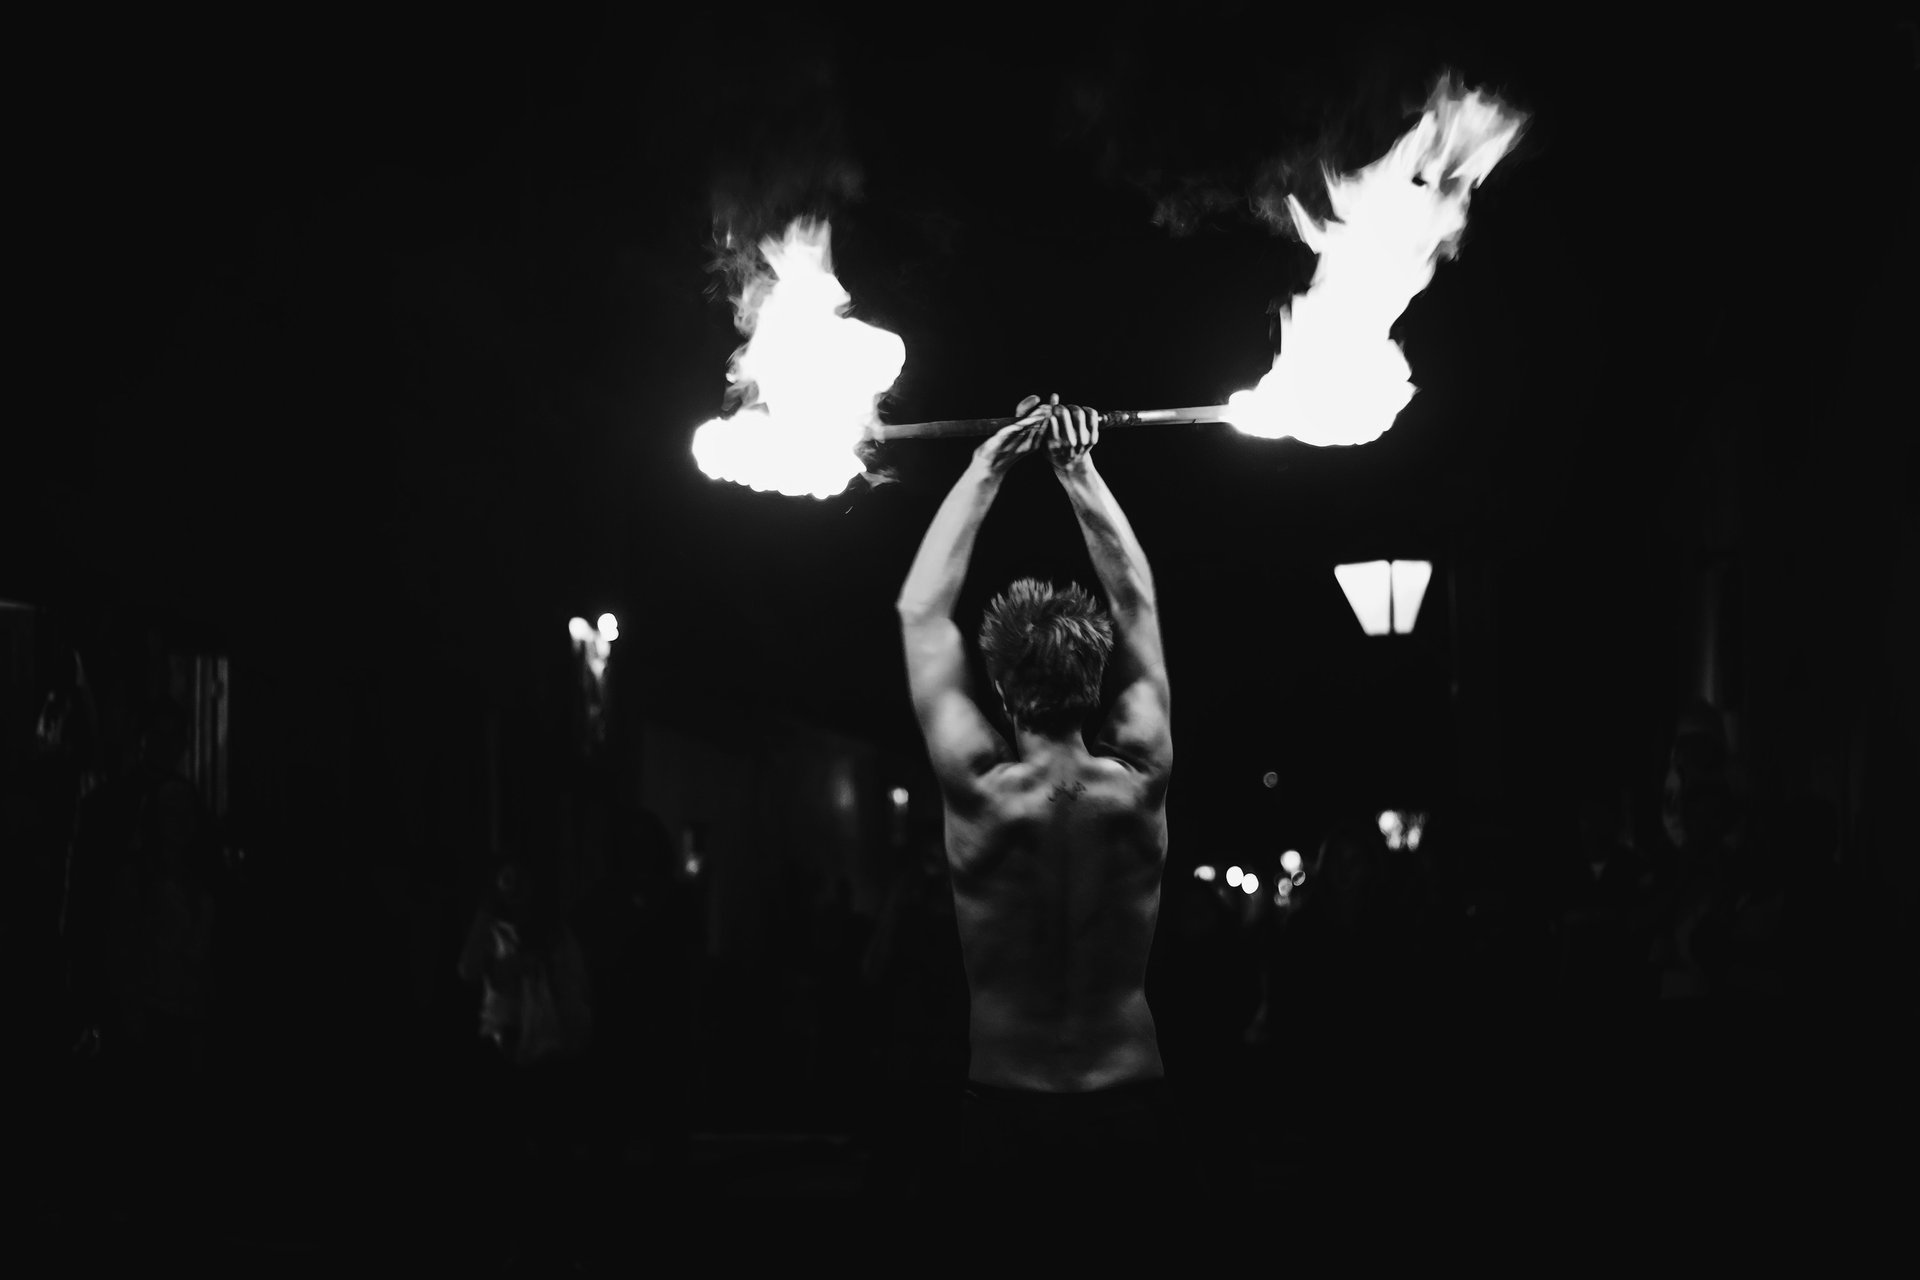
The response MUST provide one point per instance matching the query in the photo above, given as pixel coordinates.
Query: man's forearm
(940, 567)
(1117, 554)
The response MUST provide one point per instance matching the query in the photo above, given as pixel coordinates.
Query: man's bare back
(1056, 880)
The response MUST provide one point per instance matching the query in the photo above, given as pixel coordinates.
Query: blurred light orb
(580, 629)
(1204, 873)
(609, 627)
(1290, 861)
(1402, 828)
(1271, 780)
(899, 795)
(1251, 884)
(1234, 875)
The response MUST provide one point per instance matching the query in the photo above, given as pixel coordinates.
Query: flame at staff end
(809, 378)
(1339, 379)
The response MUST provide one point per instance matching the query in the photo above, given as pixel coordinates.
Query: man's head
(1046, 648)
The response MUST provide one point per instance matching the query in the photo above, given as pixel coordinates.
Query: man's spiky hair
(1047, 648)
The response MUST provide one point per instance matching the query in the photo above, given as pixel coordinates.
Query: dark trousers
(1122, 1140)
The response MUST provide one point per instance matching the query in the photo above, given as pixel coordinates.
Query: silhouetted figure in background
(631, 927)
(38, 804)
(1819, 958)
(1717, 915)
(536, 1007)
(1723, 899)
(1696, 818)
(141, 903)
(42, 803)
(1343, 969)
(838, 947)
(1344, 943)
(914, 967)
(144, 873)
(1604, 947)
(139, 932)
(1203, 982)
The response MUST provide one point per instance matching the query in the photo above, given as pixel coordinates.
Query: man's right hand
(1071, 433)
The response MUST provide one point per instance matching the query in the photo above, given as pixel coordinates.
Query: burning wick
(808, 377)
(1339, 379)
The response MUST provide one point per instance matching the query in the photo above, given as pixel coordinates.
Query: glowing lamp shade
(609, 627)
(1410, 578)
(1385, 595)
(1369, 592)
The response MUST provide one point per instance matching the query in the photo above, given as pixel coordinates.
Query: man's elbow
(914, 612)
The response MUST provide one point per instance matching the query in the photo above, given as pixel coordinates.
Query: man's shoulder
(1015, 780)
(1019, 796)
(967, 796)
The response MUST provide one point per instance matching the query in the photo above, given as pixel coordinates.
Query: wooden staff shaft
(951, 427)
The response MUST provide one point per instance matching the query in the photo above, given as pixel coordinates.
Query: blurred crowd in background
(1592, 979)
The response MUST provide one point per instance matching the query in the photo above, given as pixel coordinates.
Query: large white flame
(1339, 379)
(811, 376)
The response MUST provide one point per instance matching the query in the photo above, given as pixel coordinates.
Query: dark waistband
(1128, 1091)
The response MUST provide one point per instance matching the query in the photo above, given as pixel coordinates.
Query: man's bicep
(1138, 652)
(960, 741)
(1139, 729)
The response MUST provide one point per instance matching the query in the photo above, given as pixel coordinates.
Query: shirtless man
(1056, 841)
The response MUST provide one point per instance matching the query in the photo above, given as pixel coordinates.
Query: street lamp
(592, 646)
(1385, 595)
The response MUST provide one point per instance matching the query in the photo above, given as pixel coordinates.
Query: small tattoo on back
(1062, 791)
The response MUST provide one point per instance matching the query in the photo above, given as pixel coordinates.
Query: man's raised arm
(960, 741)
(1139, 729)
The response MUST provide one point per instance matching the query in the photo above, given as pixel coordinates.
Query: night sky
(363, 328)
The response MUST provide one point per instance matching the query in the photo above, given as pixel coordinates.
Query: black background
(358, 333)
